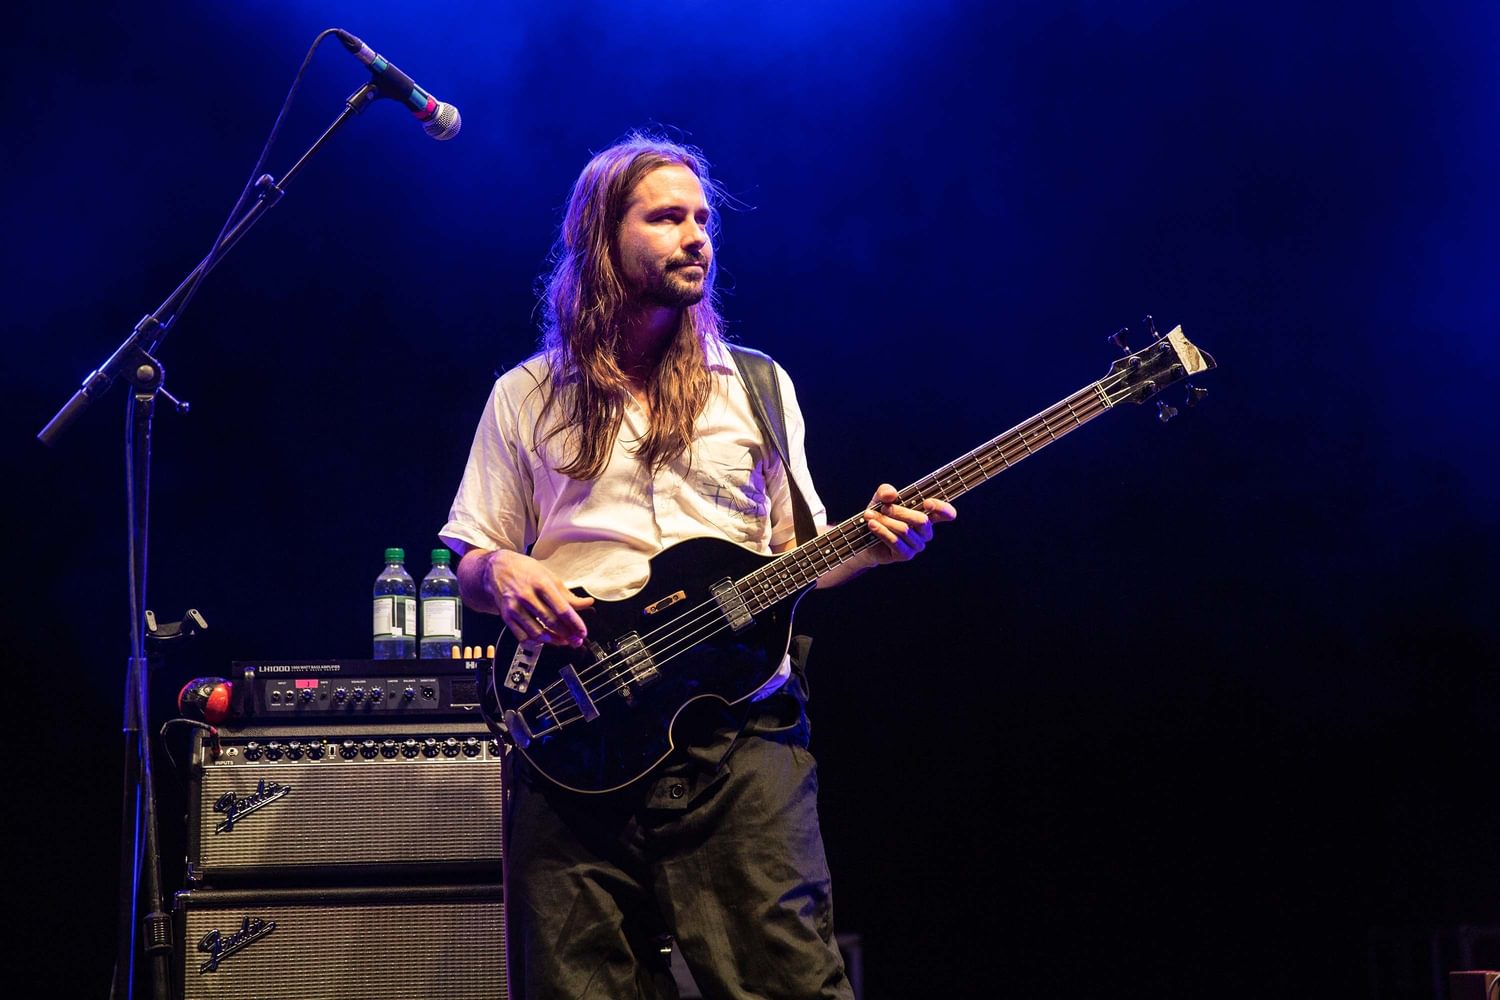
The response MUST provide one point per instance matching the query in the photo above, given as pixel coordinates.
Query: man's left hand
(905, 531)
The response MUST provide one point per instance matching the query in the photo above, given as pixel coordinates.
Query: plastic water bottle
(442, 610)
(395, 610)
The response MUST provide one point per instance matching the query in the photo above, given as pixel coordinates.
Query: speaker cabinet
(391, 802)
(435, 942)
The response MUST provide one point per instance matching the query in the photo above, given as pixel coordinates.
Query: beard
(671, 286)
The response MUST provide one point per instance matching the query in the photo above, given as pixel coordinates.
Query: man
(628, 433)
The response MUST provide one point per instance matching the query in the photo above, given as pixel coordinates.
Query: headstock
(1142, 374)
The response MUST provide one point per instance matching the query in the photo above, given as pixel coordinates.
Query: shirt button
(677, 790)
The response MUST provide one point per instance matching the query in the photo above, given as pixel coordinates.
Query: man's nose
(694, 236)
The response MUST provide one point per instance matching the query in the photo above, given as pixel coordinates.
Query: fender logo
(666, 602)
(219, 946)
(236, 808)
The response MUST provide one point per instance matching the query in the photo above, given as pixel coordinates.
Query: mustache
(686, 261)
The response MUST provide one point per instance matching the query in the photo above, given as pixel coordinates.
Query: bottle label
(395, 617)
(385, 613)
(440, 618)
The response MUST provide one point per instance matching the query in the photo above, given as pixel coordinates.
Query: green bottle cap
(441, 557)
(395, 555)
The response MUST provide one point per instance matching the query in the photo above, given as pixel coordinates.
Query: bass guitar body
(599, 717)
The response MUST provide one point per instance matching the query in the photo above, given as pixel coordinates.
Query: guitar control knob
(348, 749)
(253, 751)
(369, 749)
(472, 747)
(389, 749)
(431, 747)
(410, 749)
(451, 747)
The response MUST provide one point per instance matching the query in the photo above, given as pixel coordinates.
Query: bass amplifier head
(433, 942)
(388, 802)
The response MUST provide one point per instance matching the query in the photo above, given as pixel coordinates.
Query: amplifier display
(390, 943)
(402, 800)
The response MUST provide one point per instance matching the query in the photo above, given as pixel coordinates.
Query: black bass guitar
(714, 619)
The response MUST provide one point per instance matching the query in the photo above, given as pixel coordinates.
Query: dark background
(1170, 710)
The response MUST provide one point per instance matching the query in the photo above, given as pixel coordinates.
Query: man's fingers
(561, 618)
(939, 510)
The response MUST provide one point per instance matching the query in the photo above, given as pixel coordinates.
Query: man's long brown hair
(585, 300)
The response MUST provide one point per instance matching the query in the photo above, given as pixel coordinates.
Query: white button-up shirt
(599, 534)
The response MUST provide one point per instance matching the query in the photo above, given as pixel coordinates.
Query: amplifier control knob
(306, 695)
(369, 749)
(431, 747)
(450, 747)
(471, 747)
(494, 748)
(410, 749)
(340, 695)
(315, 751)
(273, 751)
(410, 694)
(294, 751)
(252, 751)
(349, 750)
(389, 749)
(359, 694)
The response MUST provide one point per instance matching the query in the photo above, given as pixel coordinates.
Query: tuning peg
(1164, 412)
(1195, 394)
(1150, 326)
(1118, 338)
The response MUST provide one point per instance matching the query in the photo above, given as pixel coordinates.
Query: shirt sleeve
(783, 526)
(494, 507)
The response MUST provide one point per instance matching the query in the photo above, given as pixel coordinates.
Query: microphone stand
(134, 361)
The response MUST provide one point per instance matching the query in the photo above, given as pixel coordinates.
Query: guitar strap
(758, 374)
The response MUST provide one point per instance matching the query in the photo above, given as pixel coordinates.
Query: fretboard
(802, 566)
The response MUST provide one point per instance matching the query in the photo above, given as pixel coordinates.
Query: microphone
(439, 119)
(206, 698)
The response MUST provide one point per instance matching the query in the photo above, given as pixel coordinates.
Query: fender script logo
(235, 808)
(220, 947)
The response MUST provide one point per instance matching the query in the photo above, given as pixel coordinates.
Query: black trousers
(721, 850)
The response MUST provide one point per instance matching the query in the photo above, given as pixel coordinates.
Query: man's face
(664, 247)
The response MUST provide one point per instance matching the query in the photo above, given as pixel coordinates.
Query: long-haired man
(628, 432)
